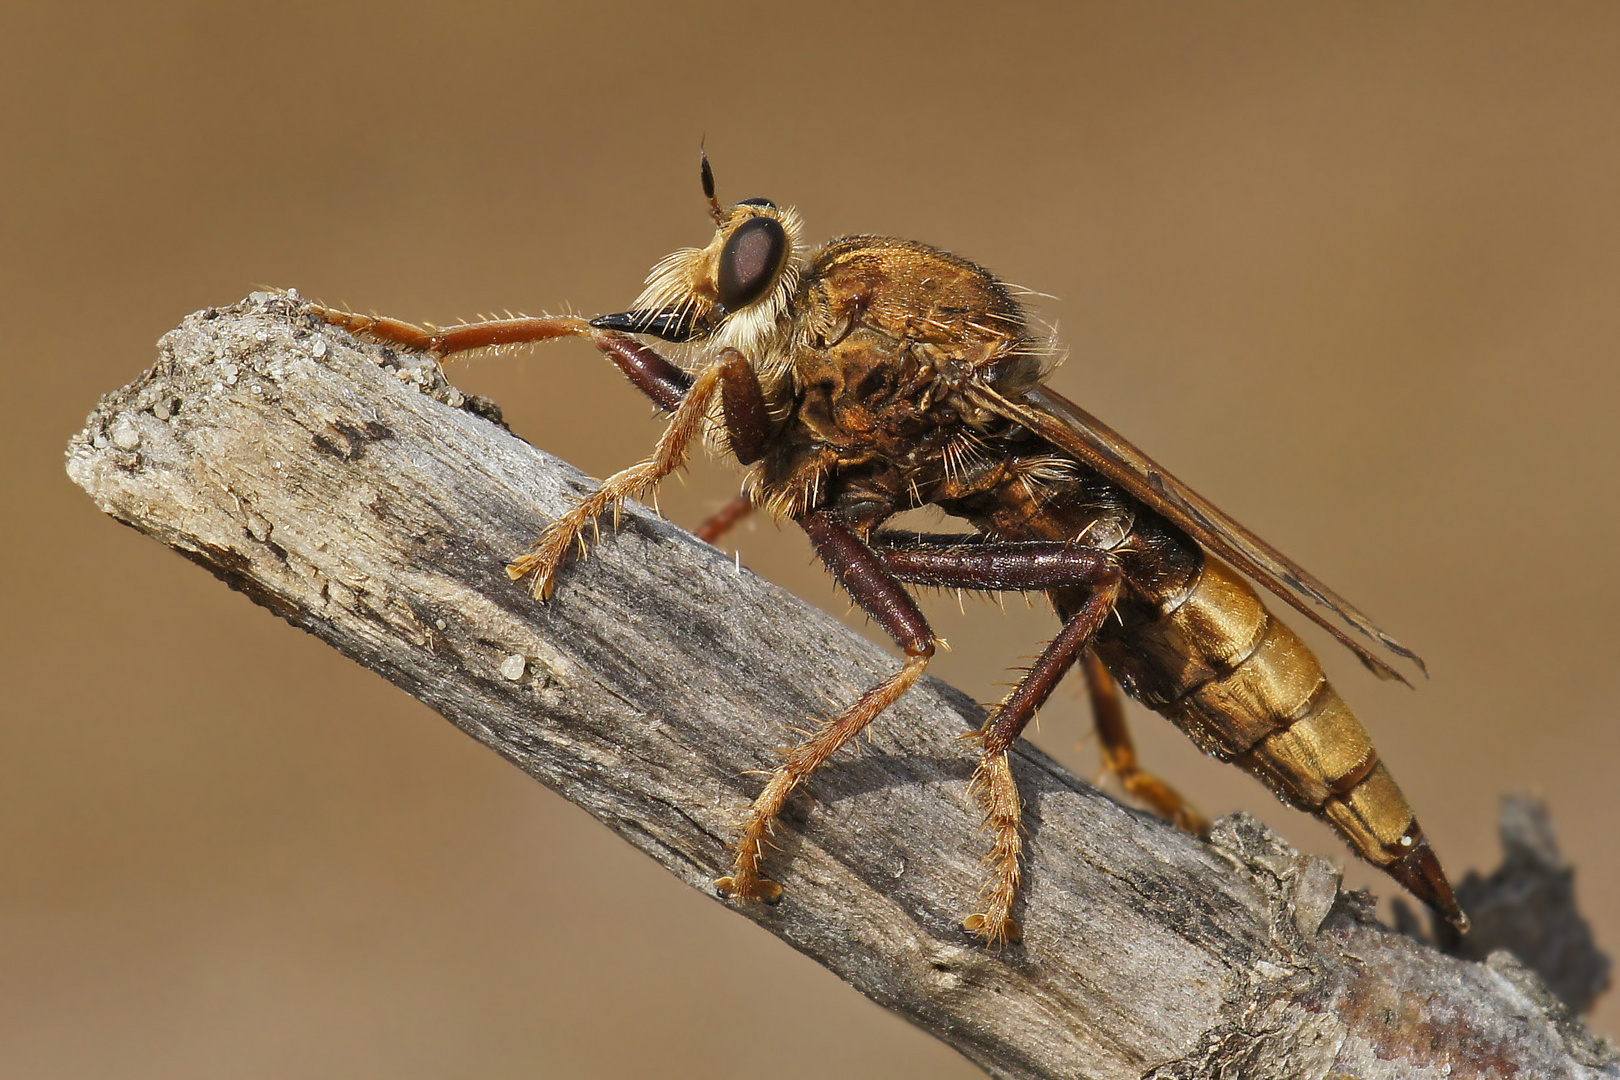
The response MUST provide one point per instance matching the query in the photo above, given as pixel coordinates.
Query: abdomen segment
(1246, 689)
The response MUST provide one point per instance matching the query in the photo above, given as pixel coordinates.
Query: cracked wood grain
(352, 491)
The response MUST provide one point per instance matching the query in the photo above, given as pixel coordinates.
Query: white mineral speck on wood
(124, 435)
(514, 666)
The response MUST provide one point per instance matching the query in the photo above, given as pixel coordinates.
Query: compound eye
(750, 261)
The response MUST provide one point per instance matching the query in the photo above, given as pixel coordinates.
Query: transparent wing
(1070, 428)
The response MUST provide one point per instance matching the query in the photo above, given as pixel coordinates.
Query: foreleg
(743, 402)
(544, 558)
(651, 373)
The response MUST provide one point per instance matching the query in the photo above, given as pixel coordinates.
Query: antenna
(708, 188)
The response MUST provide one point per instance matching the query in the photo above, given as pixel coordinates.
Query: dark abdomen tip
(1419, 871)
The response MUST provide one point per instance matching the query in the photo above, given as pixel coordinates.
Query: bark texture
(352, 491)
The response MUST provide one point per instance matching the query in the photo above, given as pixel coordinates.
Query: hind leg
(725, 519)
(973, 563)
(1119, 752)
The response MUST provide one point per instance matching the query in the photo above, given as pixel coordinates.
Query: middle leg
(863, 575)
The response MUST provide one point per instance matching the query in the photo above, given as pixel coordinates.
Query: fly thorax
(869, 390)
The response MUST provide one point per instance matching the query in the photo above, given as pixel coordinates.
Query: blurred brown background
(1352, 270)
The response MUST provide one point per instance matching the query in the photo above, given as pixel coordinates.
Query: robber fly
(873, 376)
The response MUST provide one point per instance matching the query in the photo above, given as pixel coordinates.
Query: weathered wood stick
(356, 494)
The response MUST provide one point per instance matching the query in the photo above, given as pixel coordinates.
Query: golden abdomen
(1246, 689)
